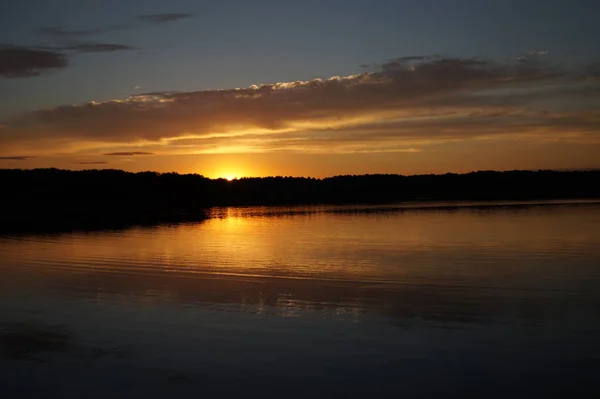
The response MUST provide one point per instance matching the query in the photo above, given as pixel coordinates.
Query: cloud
(164, 17)
(535, 54)
(27, 61)
(19, 61)
(403, 104)
(403, 135)
(403, 62)
(99, 47)
(92, 163)
(22, 62)
(15, 158)
(60, 32)
(131, 153)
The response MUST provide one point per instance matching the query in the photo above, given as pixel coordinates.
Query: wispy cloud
(92, 163)
(60, 32)
(19, 61)
(99, 47)
(164, 17)
(15, 158)
(23, 62)
(128, 153)
(401, 105)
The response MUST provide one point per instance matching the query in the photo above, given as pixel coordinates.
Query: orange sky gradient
(410, 115)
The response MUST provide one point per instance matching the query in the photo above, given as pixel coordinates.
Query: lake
(416, 300)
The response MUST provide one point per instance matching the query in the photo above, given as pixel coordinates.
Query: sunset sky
(302, 88)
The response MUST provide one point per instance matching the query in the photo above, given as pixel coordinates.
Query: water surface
(414, 301)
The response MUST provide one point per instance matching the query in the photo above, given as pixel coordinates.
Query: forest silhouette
(40, 199)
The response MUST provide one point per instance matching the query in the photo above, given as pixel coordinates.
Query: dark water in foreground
(484, 301)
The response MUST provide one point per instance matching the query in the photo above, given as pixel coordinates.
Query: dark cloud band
(18, 61)
(15, 158)
(131, 153)
(400, 105)
(164, 17)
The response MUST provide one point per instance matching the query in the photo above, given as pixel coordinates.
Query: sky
(300, 88)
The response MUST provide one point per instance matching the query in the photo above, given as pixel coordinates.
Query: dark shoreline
(46, 200)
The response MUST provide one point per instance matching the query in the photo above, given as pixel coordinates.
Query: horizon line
(562, 170)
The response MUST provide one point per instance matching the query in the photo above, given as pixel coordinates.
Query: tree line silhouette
(40, 198)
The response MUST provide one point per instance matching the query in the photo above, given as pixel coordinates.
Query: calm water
(479, 301)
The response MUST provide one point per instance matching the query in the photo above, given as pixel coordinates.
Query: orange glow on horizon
(229, 167)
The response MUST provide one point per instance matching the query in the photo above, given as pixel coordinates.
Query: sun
(228, 173)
